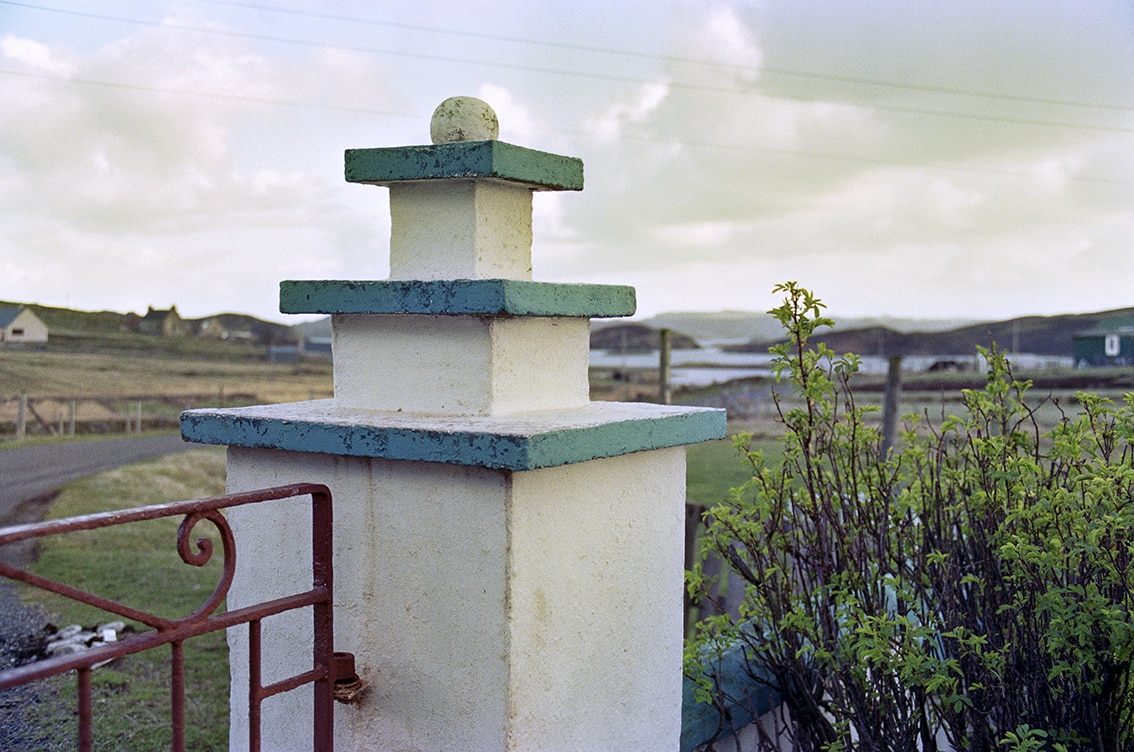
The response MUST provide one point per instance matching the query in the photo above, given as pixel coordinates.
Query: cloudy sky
(970, 158)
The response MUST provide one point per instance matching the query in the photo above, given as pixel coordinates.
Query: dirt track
(34, 472)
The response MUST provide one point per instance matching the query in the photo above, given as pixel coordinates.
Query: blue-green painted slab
(748, 692)
(465, 159)
(485, 297)
(545, 439)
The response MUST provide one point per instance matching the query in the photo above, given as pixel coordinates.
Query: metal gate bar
(174, 632)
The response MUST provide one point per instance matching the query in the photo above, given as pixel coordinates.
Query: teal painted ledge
(483, 297)
(465, 159)
(520, 442)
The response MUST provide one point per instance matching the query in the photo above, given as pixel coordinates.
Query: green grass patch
(138, 565)
(715, 467)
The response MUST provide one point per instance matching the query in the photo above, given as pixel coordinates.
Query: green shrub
(973, 585)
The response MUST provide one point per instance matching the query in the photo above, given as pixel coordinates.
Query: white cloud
(694, 235)
(607, 126)
(145, 179)
(517, 123)
(34, 55)
(723, 40)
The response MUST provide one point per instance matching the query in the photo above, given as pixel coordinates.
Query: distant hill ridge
(633, 337)
(752, 326)
(1040, 335)
(1037, 335)
(74, 322)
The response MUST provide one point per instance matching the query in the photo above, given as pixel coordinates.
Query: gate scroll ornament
(332, 674)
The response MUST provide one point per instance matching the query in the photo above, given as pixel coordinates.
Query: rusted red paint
(327, 666)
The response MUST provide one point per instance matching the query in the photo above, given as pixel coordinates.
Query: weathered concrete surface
(457, 297)
(30, 472)
(464, 160)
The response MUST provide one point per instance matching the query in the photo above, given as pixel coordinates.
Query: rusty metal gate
(329, 670)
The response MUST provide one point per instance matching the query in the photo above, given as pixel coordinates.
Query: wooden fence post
(21, 416)
(664, 349)
(890, 403)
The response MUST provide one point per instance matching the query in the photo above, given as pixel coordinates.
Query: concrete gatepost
(509, 561)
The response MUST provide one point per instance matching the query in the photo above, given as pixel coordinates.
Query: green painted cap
(481, 297)
(548, 438)
(465, 160)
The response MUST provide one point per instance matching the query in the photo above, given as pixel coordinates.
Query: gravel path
(19, 627)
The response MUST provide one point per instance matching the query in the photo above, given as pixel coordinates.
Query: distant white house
(21, 326)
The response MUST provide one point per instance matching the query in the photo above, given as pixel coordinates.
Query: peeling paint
(488, 297)
(465, 159)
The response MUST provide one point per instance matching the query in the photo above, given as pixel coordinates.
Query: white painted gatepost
(508, 567)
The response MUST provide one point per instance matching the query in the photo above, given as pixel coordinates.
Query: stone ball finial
(463, 119)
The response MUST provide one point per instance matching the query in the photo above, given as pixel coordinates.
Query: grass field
(47, 374)
(713, 468)
(138, 565)
(107, 391)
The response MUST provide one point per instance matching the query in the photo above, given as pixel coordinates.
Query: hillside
(1038, 335)
(109, 332)
(91, 331)
(263, 332)
(722, 326)
(636, 338)
(317, 328)
(752, 326)
(68, 320)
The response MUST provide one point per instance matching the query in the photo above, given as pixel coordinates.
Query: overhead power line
(204, 95)
(696, 144)
(338, 18)
(1013, 120)
(573, 46)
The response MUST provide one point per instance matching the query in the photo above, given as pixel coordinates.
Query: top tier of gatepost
(460, 228)
(461, 247)
(461, 208)
(459, 356)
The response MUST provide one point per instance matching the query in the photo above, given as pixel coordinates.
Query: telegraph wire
(551, 71)
(881, 83)
(696, 144)
(205, 95)
(618, 78)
